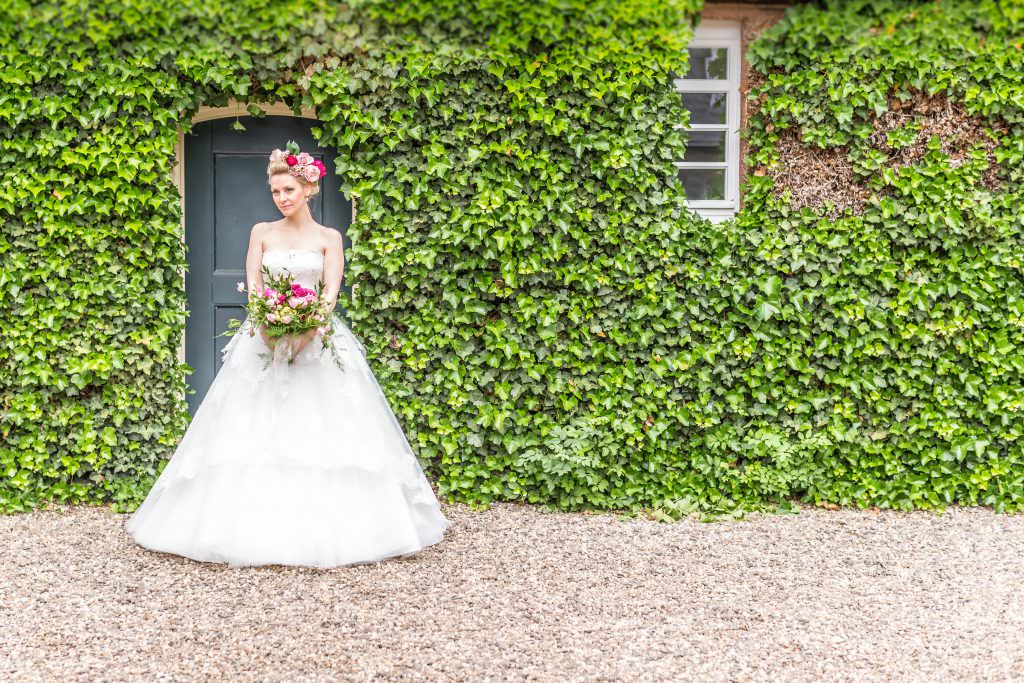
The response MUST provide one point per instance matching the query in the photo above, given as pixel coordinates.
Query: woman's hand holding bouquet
(287, 313)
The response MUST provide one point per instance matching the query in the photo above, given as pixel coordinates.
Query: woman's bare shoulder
(263, 227)
(258, 233)
(331, 237)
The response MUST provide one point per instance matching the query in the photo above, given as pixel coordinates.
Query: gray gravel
(513, 593)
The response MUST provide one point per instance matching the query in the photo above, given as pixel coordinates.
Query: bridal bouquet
(286, 308)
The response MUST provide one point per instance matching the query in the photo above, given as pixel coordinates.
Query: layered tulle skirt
(293, 463)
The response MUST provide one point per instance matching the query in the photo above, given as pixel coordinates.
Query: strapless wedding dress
(294, 464)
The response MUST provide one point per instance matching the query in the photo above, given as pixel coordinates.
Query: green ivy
(886, 345)
(550, 322)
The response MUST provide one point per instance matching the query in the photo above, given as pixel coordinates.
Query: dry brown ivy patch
(813, 175)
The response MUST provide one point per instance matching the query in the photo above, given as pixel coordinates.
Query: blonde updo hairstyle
(278, 165)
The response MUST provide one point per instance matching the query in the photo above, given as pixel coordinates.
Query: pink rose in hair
(305, 158)
(319, 164)
(311, 173)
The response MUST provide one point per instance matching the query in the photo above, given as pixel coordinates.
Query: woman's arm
(254, 258)
(254, 268)
(334, 269)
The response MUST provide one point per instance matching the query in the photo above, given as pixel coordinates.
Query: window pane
(705, 145)
(708, 62)
(703, 183)
(705, 107)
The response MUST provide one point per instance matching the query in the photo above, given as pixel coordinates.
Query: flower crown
(300, 164)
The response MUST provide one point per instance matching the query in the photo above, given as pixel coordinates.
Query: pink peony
(311, 173)
(295, 301)
(305, 158)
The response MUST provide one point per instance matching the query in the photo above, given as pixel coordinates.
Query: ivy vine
(549, 320)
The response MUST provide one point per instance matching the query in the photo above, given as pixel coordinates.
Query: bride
(290, 459)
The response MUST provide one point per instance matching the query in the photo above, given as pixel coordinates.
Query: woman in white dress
(292, 463)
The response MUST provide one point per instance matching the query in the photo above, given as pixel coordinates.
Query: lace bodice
(303, 265)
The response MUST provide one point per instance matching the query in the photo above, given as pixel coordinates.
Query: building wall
(755, 18)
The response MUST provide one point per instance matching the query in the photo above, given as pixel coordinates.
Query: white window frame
(728, 35)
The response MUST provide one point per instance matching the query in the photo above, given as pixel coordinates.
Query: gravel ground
(513, 593)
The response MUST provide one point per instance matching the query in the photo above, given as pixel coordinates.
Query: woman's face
(288, 192)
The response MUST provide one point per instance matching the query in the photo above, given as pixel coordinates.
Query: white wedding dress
(293, 464)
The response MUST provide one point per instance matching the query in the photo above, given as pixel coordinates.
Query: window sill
(715, 215)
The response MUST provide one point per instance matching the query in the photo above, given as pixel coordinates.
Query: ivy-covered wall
(879, 259)
(549, 321)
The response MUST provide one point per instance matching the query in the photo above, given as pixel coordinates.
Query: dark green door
(226, 192)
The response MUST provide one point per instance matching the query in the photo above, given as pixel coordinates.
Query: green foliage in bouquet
(285, 309)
